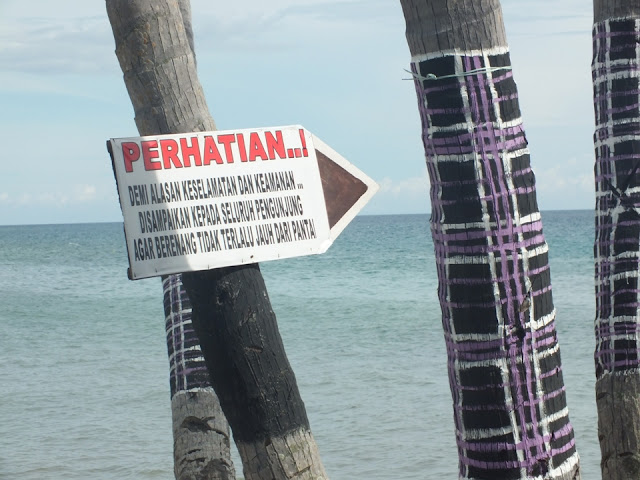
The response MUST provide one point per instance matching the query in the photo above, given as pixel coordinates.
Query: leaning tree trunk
(616, 87)
(251, 374)
(231, 311)
(505, 372)
(201, 446)
(200, 430)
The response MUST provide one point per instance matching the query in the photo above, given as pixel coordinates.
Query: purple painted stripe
(623, 352)
(504, 465)
(618, 329)
(622, 94)
(603, 35)
(570, 445)
(441, 234)
(551, 373)
(547, 342)
(616, 241)
(433, 87)
(501, 243)
(626, 223)
(472, 346)
(187, 369)
(627, 363)
(626, 108)
(488, 142)
(503, 446)
(612, 159)
(494, 302)
(455, 250)
(614, 120)
(468, 356)
(606, 295)
(516, 143)
(520, 190)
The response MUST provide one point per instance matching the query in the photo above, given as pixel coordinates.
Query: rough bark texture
(155, 54)
(154, 45)
(494, 281)
(618, 425)
(445, 25)
(616, 87)
(159, 67)
(249, 370)
(605, 9)
(185, 11)
(300, 459)
(200, 437)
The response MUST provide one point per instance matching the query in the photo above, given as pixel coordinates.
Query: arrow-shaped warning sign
(203, 200)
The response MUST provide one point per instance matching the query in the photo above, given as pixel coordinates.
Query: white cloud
(551, 56)
(56, 46)
(405, 187)
(407, 195)
(286, 25)
(567, 185)
(86, 193)
(564, 177)
(57, 199)
(329, 10)
(76, 38)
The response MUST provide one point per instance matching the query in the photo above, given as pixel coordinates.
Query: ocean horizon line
(101, 222)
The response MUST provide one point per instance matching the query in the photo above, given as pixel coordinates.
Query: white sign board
(205, 200)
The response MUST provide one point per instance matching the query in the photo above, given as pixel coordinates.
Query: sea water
(84, 391)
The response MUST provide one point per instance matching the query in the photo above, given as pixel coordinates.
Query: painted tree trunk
(616, 87)
(159, 69)
(201, 440)
(505, 372)
(251, 374)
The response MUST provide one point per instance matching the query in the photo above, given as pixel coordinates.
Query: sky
(337, 67)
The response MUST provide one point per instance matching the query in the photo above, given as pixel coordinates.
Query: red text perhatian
(194, 151)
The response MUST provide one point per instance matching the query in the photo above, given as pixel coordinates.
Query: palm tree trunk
(616, 83)
(159, 68)
(505, 371)
(201, 439)
(251, 374)
(200, 430)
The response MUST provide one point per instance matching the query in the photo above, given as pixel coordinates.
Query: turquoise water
(84, 369)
